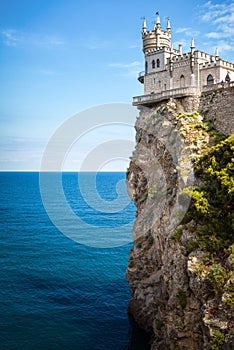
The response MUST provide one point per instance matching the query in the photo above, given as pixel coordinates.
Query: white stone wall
(180, 69)
(162, 56)
(157, 82)
(218, 73)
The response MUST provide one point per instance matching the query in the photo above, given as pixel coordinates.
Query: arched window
(210, 80)
(159, 84)
(153, 64)
(182, 81)
(146, 67)
(158, 63)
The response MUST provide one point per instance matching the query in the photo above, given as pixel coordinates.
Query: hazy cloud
(130, 70)
(221, 19)
(15, 38)
(125, 65)
(181, 30)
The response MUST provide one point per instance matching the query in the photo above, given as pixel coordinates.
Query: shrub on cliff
(213, 202)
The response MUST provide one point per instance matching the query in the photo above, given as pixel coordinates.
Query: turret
(192, 63)
(192, 47)
(168, 25)
(157, 38)
(158, 22)
(180, 49)
(144, 26)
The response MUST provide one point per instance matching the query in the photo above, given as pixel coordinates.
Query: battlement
(217, 62)
(161, 50)
(157, 37)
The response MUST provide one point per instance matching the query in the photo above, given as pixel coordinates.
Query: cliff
(180, 268)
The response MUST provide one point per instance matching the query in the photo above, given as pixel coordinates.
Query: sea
(60, 291)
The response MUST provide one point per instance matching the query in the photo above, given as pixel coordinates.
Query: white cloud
(15, 38)
(181, 30)
(220, 17)
(188, 34)
(125, 65)
(214, 11)
(129, 70)
(224, 46)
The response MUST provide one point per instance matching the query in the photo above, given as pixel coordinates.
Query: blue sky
(59, 57)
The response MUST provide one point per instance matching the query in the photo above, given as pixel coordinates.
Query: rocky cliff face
(181, 288)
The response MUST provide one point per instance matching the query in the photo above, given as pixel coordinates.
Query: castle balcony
(141, 77)
(149, 100)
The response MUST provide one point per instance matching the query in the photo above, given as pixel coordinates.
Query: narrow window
(158, 63)
(210, 80)
(159, 84)
(146, 67)
(182, 81)
(153, 64)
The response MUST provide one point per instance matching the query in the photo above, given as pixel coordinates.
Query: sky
(60, 57)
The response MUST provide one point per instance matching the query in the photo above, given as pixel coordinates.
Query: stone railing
(211, 87)
(164, 95)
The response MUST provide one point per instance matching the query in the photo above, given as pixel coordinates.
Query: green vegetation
(213, 202)
(211, 208)
(182, 299)
(159, 324)
(218, 341)
(191, 246)
(139, 245)
(150, 238)
(177, 235)
(218, 275)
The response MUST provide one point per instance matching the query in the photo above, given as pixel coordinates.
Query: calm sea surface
(56, 293)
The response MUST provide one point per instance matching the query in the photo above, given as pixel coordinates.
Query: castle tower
(157, 50)
(156, 38)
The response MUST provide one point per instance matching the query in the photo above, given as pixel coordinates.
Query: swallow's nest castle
(170, 73)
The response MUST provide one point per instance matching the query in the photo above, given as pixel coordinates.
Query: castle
(170, 73)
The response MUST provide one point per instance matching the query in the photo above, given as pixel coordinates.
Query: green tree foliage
(213, 202)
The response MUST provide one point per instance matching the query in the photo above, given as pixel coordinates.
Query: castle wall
(218, 106)
(218, 72)
(181, 68)
(157, 82)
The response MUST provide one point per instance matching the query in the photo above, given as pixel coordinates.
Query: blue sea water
(54, 292)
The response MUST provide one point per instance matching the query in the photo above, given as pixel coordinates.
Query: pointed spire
(144, 26)
(216, 52)
(192, 44)
(180, 49)
(158, 22)
(168, 25)
(192, 47)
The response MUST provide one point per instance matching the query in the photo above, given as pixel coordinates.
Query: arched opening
(227, 78)
(153, 64)
(146, 67)
(210, 79)
(158, 63)
(182, 81)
